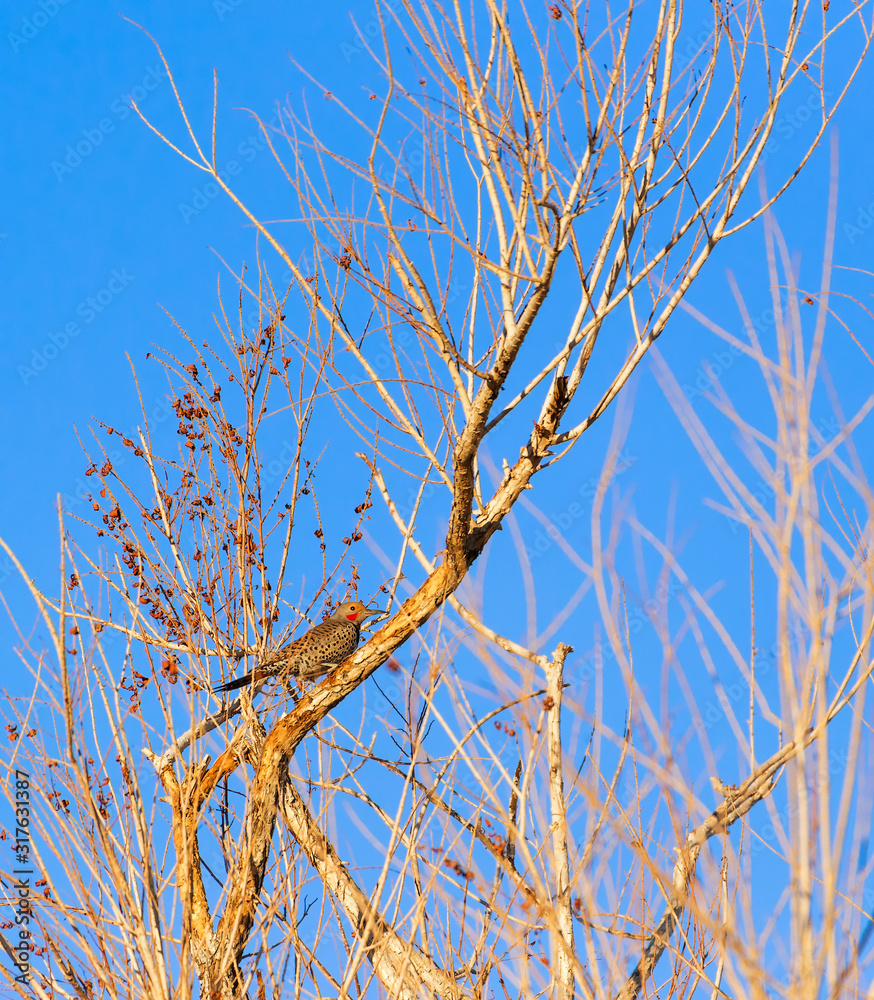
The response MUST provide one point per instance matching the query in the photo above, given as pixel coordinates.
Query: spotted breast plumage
(315, 652)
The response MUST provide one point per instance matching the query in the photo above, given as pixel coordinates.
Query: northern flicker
(315, 652)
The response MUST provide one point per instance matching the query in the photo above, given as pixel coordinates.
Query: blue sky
(100, 233)
(104, 228)
(106, 231)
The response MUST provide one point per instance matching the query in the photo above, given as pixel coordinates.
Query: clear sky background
(104, 228)
(107, 238)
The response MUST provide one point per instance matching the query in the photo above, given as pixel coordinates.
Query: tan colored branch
(563, 949)
(737, 803)
(403, 969)
(270, 759)
(186, 799)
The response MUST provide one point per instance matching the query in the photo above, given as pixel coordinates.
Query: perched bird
(315, 652)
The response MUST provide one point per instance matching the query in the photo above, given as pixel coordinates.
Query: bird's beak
(370, 612)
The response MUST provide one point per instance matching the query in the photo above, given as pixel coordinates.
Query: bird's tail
(253, 677)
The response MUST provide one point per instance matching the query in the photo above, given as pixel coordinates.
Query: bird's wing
(291, 649)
